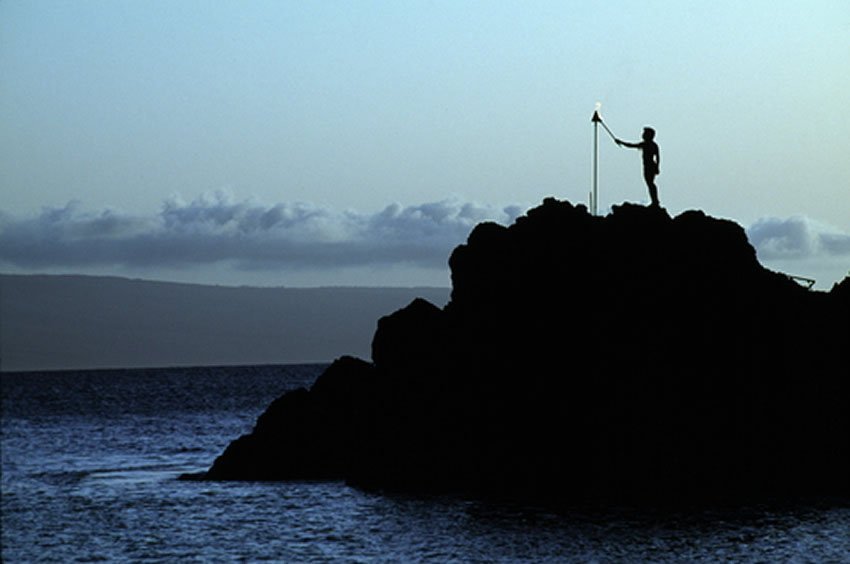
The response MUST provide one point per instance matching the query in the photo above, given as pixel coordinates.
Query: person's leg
(653, 189)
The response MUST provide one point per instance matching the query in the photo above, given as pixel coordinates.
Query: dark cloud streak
(214, 229)
(796, 237)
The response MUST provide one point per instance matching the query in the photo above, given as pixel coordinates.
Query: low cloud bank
(215, 228)
(797, 238)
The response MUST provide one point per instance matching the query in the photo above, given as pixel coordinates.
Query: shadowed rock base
(633, 357)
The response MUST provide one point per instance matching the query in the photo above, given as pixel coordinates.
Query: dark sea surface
(90, 461)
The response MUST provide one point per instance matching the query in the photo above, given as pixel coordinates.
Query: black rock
(628, 357)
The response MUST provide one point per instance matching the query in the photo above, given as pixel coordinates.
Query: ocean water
(89, 473)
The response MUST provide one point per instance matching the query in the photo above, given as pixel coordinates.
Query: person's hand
(618, 142)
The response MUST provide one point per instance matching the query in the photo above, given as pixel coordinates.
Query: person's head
(648, 134)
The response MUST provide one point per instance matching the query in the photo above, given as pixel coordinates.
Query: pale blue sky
(345, 108)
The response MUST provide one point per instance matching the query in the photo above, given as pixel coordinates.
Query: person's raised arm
(622, 143)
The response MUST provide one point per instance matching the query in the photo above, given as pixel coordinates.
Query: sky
(337, 143)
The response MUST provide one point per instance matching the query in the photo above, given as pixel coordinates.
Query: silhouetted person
(651, 160)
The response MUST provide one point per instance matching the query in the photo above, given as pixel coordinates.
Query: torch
(594, 194)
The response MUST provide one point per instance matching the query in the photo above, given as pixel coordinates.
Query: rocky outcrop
(633, 356)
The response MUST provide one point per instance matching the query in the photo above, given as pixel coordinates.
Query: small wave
(161, 466)
(185, 449)
(61, 477)
(68, 477)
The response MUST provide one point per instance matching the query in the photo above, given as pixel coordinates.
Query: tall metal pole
(594, 195)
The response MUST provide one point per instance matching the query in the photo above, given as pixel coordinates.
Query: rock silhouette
(628, 357)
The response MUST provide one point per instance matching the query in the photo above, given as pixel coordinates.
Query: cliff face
(625, 357)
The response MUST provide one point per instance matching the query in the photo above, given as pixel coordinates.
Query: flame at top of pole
(596, 117)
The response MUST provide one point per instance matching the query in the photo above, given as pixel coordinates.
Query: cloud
(797, 237)
(218, 229)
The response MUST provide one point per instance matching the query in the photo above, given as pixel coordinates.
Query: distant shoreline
(133, 279)
(72, 371)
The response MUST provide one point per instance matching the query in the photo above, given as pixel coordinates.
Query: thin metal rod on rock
(595, 192)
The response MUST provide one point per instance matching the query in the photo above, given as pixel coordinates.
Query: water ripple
(100, 485)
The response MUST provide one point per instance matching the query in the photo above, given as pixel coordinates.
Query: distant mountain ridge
(61, 322)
